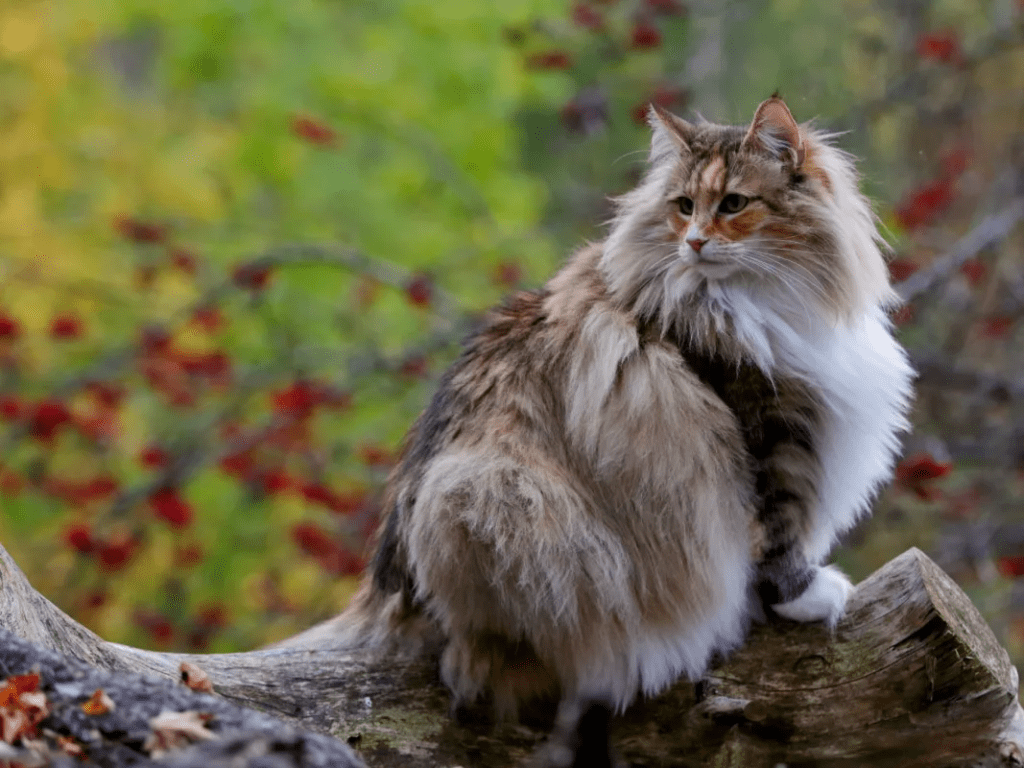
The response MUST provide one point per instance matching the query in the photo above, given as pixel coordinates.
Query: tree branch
(911, 677)
(991, 230)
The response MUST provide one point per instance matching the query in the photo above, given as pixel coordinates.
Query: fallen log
(912, 677)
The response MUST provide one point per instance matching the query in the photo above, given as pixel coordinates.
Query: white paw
(823, 600)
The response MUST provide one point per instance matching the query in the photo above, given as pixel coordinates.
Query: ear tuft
(669, 130)
(774, 130)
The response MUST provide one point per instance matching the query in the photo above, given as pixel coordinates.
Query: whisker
(629, 154)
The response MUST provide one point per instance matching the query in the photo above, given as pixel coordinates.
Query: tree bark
(911, 677)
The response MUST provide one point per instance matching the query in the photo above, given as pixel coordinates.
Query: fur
(683, 420)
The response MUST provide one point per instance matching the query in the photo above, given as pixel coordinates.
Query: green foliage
(179, 141)
(265, 225)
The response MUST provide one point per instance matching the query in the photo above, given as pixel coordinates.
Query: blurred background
(240, 239)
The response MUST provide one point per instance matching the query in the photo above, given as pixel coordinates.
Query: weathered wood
(912, 677)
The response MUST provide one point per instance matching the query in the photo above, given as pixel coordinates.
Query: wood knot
(756, 711)
(813, 664)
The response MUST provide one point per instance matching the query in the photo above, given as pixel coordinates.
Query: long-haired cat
(624, 466)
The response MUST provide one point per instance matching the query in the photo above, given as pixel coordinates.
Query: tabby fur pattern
(623, 467)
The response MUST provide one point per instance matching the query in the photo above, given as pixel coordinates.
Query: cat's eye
(685, 206)
(732, 203)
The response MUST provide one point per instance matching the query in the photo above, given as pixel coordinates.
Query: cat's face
(766, 206)
(746, 200)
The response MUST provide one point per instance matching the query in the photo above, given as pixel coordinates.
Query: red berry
(901, 269)
(974, 270)
(916, 471)
(79, 494)
(139, 231)
(153, 457)
(100, 487)
(212, 616)
(341, 562)
(420, 290)
(66, 327)
(667, 96)
(313, 131)
(78, 536)
(9, 328)
(238, 465)
(11, 483)
(941, 46)
(921, 466)
(376, 456)
(925, 203)
(11, 408)
(312, 539)
(508, 274)
(638, 114)
(181, 398)
(549, 60)
(47, 418)
(414, 367)
(996, 327)
(208, 318)
(100, 428)
(347, 503)
(903, 315)
(188, 555)
(106, 394)
(277, 481)
(168, 505)
(155, 624)
(318, 494)
(645, 36)
(251, 276)
(183, 260)
(216, 366)
(666, 7)
(298, 400)
(587, 17)
(115, 555)
(1011, 567)
(154, 339)
(670, 97)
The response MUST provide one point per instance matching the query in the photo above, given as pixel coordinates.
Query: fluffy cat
(624, 466)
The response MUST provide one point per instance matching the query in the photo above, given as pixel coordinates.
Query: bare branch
(992, 229)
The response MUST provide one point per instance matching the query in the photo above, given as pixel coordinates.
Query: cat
(624, 468)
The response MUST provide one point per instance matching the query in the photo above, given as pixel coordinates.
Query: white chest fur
(864, 381)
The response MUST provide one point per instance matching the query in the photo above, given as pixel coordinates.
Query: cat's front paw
(823, 600)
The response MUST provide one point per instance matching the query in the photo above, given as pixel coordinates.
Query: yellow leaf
(19, 212)
(20, 32)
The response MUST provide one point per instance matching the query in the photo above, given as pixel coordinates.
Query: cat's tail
(373, 620)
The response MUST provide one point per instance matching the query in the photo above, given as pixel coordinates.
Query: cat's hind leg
(581, 737)
(531, 591)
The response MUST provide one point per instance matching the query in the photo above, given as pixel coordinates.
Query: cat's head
(770, 209)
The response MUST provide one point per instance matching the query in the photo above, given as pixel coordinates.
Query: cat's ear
(774, 130)
(670, 133)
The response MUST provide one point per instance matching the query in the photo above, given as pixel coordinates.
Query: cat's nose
(696, 243)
